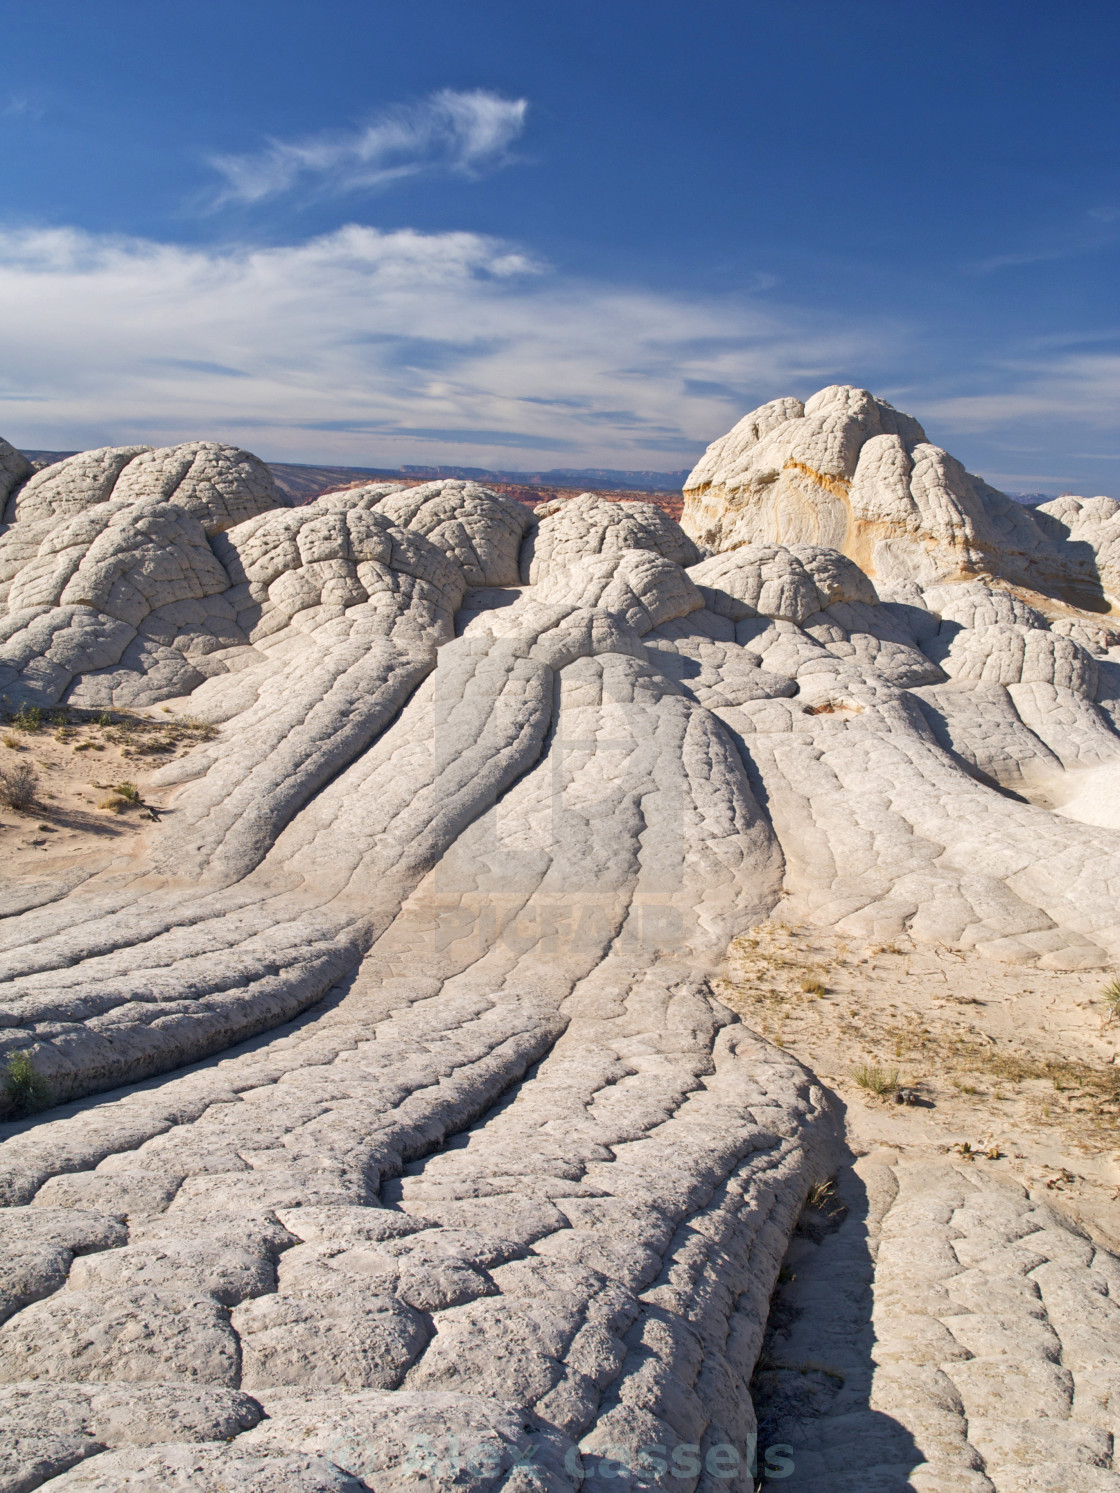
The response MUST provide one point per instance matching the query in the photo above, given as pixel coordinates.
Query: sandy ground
(1013, 1069)
(87, 767)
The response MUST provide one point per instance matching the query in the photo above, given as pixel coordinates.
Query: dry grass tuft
(17, 786)
(877, 1081)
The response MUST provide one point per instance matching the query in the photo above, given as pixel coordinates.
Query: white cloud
(362, 347)
(23, 106)
(462, 133)
(1081, 388)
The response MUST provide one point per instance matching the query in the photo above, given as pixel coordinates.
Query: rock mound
(452, 1138)
(849, 471)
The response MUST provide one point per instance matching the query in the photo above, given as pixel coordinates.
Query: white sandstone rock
(849, 472)
(418, 1116)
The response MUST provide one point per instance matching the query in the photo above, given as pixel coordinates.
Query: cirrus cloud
(463, 133)
(367, 348)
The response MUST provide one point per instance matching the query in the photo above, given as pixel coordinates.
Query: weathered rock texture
(492, 792)
(851, 472)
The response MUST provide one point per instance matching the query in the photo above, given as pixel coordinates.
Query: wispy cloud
(22, 106)
(461, 133)
(1081, 389)
(367, 347)
(1089, 234)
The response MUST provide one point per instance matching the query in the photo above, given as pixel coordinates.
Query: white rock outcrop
(392, 1100)
(849, 471)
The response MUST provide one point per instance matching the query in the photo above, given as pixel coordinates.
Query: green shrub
(26, 1091)
(28, 718)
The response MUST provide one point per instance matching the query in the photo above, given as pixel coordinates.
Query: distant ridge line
(306, 480)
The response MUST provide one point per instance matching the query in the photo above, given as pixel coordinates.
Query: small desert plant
(199, 727)
(821, 1195)
(1111, 995)
(28, 718)
(810, 985)
(26, 1091)
(878, 1081)
(823, 1212)
(17, 786)
(123, 796)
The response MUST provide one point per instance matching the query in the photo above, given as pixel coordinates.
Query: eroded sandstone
(391, 1097)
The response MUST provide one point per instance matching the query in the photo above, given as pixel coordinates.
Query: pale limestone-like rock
(42, 649)
(1088, 523)
(131, 1335)
(505, 1168)
(46, 1428)
(121, 558)
(71, 486)
(480, 530)
(1005, 653)
(757, 580)
(452, 1440)
(994, 1412)
(207, 1469)
(850, 472)
(570, 531)
(14, 469)
(218, 485)
(351, 1337)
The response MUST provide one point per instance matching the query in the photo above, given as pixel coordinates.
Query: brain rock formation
(395, 1116)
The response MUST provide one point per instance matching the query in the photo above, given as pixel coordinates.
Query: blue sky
(498, 232)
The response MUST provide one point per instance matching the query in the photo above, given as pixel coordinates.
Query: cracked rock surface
(395, 1127)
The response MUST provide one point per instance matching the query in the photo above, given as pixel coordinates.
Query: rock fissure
(467, 1148)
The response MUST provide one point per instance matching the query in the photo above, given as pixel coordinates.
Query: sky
(506, 234)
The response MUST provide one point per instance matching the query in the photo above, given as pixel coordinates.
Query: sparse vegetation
(877, 1081)
(823, 1212)
(25, 1090)
(931, 1033)
(17, 786)
(821, 1194)
(122, 796)
(811, 985)
(28, 718)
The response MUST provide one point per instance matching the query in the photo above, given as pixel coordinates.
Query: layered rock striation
(849, 471)
(417, 1116)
